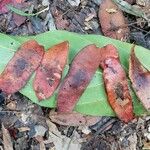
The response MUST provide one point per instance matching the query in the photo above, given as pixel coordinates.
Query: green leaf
(22, 13)
(94, 99)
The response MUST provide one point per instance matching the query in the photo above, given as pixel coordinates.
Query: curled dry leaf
(48, 75)
(73, 119)
(140, 78)
(112, 20)
(80, 74)
(21, 66)
(6, 139)
(116, 83)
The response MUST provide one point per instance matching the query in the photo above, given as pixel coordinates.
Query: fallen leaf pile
(49, 65)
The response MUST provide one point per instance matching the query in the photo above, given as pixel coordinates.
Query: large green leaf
(94, 100)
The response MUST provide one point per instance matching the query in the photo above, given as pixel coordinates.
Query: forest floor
(27, 125)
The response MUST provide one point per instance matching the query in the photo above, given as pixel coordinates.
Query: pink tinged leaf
(48, 75)
(21, 66)
(80, 74)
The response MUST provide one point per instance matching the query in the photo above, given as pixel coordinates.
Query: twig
(123, 5)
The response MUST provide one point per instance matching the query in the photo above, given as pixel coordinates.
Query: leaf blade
(94, 100)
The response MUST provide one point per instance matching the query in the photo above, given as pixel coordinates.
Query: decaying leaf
(97, 106)
(21, 66)
(60, 141)
(4, 3)
(48, 75)
(80, 74)
(116, 83)
(140, 78)
(18, 19)
(6, 139)
(73, 119)
(112, 20)
(60, 22)
(64, 143)
(41, 142)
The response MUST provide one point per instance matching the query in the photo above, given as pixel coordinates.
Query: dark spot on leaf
(113, 70)
(50, 82)
(119, 91)
(20, 66)
(79, 78)
(141, 80)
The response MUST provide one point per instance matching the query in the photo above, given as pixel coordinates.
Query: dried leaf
(23, 129)
(52, 127)
(60, 22)
(21, 66)
(41, 142)
(112, 21)
(133, 9)
(80, 74)
(60, 141)
(6, 139)
(90, 17)
(18, 20)
(73, 119)
(42, 146)
(48, 75)
(94, 99)
(4, 3)
(116, 83)
(140, 78)
(64, 143)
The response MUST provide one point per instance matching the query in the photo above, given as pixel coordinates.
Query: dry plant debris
(112, 21)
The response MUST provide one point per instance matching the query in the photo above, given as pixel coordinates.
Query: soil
(26, 122)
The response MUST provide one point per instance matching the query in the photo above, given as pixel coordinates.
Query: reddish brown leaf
(21, 66)
(4, 3)
(60, 22)
(140, 78)
(73, 119)
(116, 83)
(49, 73)
(19, 20)
(80, 74)
(112, 20)
(7, 142)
